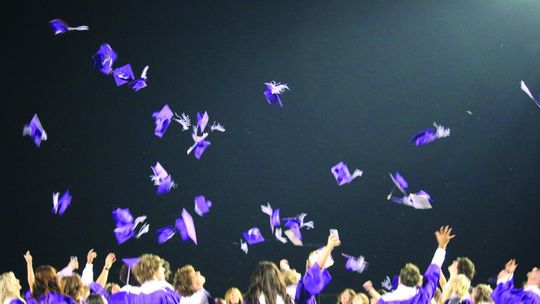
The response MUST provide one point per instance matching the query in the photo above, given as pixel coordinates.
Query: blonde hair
(351, 293)
(229, 293)
(183, 281)
(147, 267)
(482, 293)
(74, 287)
(360, 298)
(8, 286)
(458, 286)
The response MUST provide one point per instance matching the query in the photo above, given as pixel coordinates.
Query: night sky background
(364, 77)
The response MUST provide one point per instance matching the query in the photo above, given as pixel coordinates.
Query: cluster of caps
(418, 200)
(127, 227)
(104, 60)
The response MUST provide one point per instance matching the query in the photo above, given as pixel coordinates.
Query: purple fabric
(458, 301)
(426, 291)
(16, 301)
(96, 288)
(51, 298)
(160, 296)
(312, 283)
(423, 137)
(507, 294)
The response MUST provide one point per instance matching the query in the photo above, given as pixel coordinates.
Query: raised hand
(110, 259)
(333, 241)
(444, 235)
(510, 266)
(368, 286)
(28, 257)
(90, 256)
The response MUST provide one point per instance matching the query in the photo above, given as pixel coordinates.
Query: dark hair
(95, 299)
(267, 280)
(410, 275)
(45, 281)
(465, 266)
(123, 277)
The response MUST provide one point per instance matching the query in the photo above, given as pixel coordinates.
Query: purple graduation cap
(186, 227)
(355, 264)
(274, 215)
(162, 120)
(427, 136)
(418, 201)
(122, 216)
(130, 263)
(104, 59)
(161, 179)
(273, 90)
(60, 27)
(35, 130)
(200, 147)
(342, 175)
(253, 236)
(166, 185)
(399, 182)
(525, 89)
(123, 75)
(202, 205)
(140, 83)
(202, 121)
(61, 204)
(126, 226)
(164, 234)
(390, 285)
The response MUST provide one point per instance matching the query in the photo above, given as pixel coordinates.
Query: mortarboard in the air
(165, 185)
(202, 205)
(140, 83)
(60, 27)
(342, 175)
(399, 182)
(164, 234)
(186, 227)
(126, 225)
(525, 89)
(35, 130)
(162, 120)
(60, 204)
(253, 236)
(104, 59)
(356, 264)
(418, 201)
(123, 75)
(130, 263)
(273, 214)
(200, 147)
(273, 90)
(202, 121)
(427, 136)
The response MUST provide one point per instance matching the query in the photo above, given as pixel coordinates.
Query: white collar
(533, 288)
(262, 299)
(148, 287)
(402, 292)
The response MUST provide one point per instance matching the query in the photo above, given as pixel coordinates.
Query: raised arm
(109, 260)
(368, 287)
(505, 292)
(88, 271)
(29, 270)
(333, 242)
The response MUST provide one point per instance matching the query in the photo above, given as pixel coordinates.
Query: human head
(410, 275)
(482, 293)
(74, 287)
(9, 286)
(290, 276)
(187, 280)
(112, 288)
(458, 286)
(360, 298)
(45, 281)
(151, 267)
(96, 299)
(464, 265)
(267, 280)
(533, 277)
(346, 296)
(123, 276)
(233, 296)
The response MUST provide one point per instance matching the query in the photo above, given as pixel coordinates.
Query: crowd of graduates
(146, 280)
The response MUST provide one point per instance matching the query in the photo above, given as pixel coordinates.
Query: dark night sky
(365, 76)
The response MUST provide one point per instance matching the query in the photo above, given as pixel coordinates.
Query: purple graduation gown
(155, 292)
(51, 298)
(507, 294)
(312, 283)
(426, 291)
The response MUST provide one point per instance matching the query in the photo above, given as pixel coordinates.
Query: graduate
(412, 288)
(189, 283)
(507, 294)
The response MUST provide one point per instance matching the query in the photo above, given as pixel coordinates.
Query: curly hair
(9, 286)
(73, 286)
(267, 280)
(45, 281)
(183, 280)
(410, 275)
(147, 267)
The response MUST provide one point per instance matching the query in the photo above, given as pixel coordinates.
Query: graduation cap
(185, 226)
(400, 182)
(123, 75)
(427, 136)
(273, 214)
(35, 130)
(61, 204)
(126, 225)
(202, 121)
(200, 146)
(253, 236)
(60, 27)
(130, 263)
(273, 90)
(104, 58)
(356, 264)
(164, 234)
(161, 179)
(525, 89)
(342, 175)
(202, 205)
(162, 120)
(140, 83)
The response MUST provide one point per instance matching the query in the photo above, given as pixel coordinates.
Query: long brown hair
(74, 287)
(267, 280)
(45, 281)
